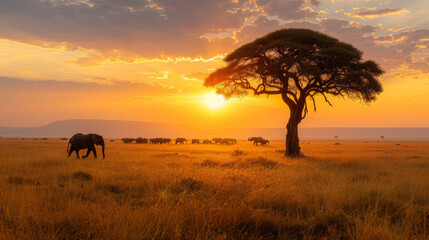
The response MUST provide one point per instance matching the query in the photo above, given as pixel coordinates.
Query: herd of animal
(257, 141)
(81, 141)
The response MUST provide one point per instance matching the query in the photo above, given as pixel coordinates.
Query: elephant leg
(77, 154)
(95, 153)
(87, 153)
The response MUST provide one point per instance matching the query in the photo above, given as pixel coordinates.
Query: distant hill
(111, 128)
(117, 129)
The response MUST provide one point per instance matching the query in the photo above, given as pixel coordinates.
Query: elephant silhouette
(140, 140)
(259, 141)
(181, 140)
(127, 140)
(81, 141)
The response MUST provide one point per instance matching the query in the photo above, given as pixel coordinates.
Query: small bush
(237, 152)
(83, 176)
(114, 188)
(111, 188)
(20, 180)
(15, 180)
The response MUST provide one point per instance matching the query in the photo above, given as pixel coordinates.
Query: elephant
(217, 140)
(160, 140)
(207, 141)
(258, 141)
(141, 140)
(195, 141)
(166, 140)
(229, 141)
(85, 141)
(181, 140)
(128, 140)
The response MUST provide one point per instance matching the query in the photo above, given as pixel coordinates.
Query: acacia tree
(298, 65)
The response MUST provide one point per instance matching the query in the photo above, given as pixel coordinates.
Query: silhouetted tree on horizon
(297, 64)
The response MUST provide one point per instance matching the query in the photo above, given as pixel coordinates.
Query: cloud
(289, 9)
(92, 86)
(94, 58)
(129, 30)
(371, 12)
(191, 31)
(197, 76)
(125, 29)
(394, 51)
(263, 25)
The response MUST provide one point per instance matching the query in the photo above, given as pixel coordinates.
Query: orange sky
(146, 60)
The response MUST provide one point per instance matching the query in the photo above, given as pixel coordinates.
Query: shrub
(237, 152)
(83, 176)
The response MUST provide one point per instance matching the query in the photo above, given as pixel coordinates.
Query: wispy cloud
(371, 12)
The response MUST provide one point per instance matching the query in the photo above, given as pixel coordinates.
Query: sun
(214, 101)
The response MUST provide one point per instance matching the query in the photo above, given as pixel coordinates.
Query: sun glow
(214, 101)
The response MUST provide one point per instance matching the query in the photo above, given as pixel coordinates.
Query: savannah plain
(355, 190)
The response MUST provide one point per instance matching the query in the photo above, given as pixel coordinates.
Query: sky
(146, 60)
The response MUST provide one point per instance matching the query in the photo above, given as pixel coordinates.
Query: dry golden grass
(355, 190)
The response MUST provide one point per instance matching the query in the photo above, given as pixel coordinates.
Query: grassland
(355, 190)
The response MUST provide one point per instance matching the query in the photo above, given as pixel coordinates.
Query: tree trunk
(292, 140)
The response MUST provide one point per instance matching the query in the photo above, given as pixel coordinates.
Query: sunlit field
(350, 190)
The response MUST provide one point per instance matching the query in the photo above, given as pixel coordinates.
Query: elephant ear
(94, 139)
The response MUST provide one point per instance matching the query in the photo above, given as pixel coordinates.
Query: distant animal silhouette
(85, 141)
(140, 140)
(160, 140)
(181, 140)
(127, 140)
(195, 141)
(207, 141)
(228, 141)
(217, 140)
(259, 141)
